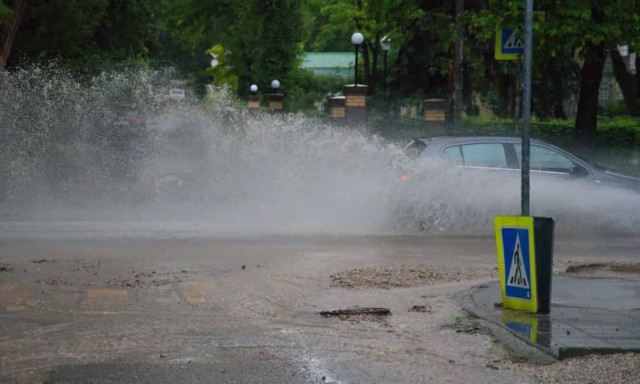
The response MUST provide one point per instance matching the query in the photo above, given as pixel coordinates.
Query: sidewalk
(587, 316)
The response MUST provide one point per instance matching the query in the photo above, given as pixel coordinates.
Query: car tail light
(404, 177)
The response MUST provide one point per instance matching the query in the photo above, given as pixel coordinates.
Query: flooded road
(86, 302)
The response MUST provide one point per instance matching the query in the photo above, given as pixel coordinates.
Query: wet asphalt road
(84, 305)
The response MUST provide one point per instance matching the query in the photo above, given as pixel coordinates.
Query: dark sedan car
(456, 182)
(502, 154)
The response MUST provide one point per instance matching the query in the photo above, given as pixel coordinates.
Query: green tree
(588, 29)
(89, 35)
(374, 19)
(425, 59)
(629, 82)
(5, 14)
(11, 13)
(262, 38)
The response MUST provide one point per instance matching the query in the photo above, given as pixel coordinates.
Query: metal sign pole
(516, 118)
(526, 106)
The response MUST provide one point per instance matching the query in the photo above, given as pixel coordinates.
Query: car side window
(453, 155)
(545, 159)
(491, 155)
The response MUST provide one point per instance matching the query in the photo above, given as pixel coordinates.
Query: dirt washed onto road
(594, 369)
(407, 276)
(603, 270)
(247, 310)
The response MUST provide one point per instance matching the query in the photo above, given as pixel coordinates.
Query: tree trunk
(585, 128)
(8, 33)
(457, 65)
(628, 83)
(365, 57)
(558, 93)
(638, 78)
(374, 67)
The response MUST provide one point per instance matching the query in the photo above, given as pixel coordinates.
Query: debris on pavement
(42, 261)
(359, 315)
(148, 280)
(468, 325)
(407, 276)
(592, 369)
(603, 270)
(421, 308)
(357, 311)
(55, 282)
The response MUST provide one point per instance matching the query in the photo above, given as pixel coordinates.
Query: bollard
(254, 104)
(337, 111)
(275, 103)
(356, 103)
(434, 109)
(524, 247)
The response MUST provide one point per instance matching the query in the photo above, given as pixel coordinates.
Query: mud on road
(246, 309)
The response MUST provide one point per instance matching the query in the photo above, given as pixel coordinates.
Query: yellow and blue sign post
(509, 44)
(525, 256)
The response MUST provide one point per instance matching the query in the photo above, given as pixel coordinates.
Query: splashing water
(76, 150)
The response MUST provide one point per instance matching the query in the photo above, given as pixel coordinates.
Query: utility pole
(526, 106)
(457, 68)
(518, 102)
(8, 33)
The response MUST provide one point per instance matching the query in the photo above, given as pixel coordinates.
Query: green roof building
(329, 63)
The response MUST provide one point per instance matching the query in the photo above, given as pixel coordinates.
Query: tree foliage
(263, 40)
(5, 14)
(565, 30)
(374, 19)
(87, 34)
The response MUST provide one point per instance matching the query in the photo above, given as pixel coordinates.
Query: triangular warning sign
(517, 273)
(515, 40)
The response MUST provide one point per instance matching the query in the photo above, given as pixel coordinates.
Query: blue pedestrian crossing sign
(516, 262)
(509, 44)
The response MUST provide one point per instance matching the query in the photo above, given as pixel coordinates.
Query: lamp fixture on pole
(275, 84)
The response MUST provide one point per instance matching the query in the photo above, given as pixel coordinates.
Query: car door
(478, 156)
(546, 162)
(481, 163)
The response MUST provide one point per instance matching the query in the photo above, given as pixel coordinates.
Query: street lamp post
(275, 98)
(356, 94)
(356, 40)
(254, 100)
(385, 44)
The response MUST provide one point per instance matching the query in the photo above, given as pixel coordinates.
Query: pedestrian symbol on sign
(517, 274)
(516, 253)
(509, 44)
(515, 40)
